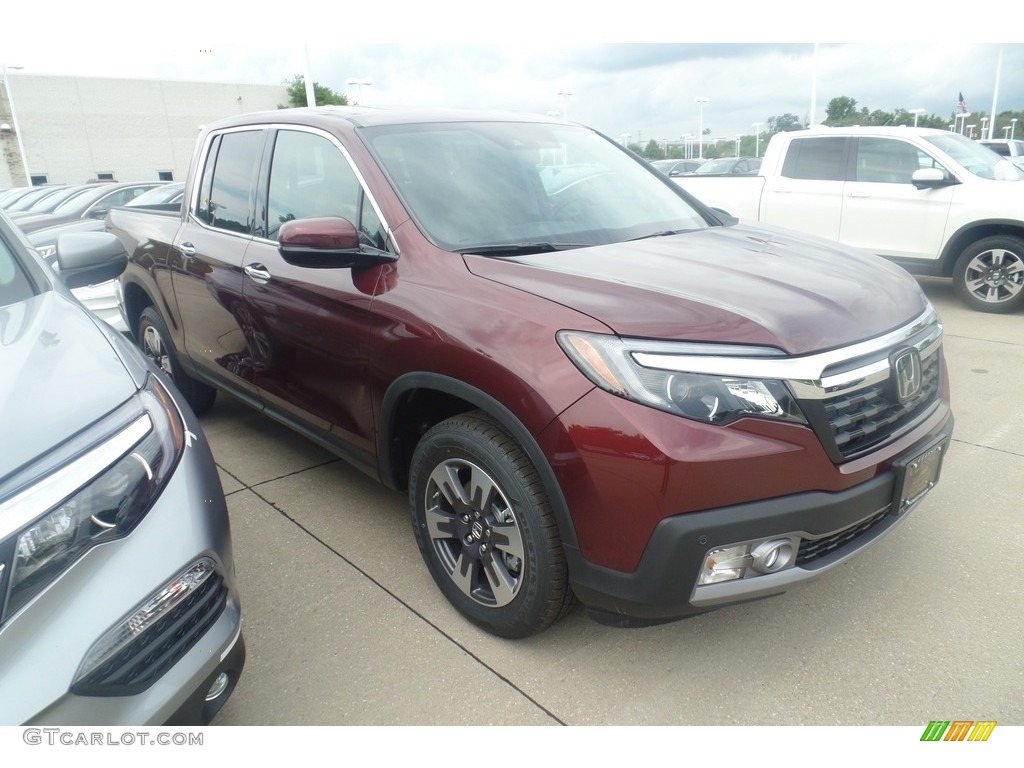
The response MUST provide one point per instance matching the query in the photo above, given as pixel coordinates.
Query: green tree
(842, 110)
(780, 123)
(653, 151)
(322, 94)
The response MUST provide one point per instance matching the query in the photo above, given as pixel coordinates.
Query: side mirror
(925, 178)
(89, 258)
(330, 242)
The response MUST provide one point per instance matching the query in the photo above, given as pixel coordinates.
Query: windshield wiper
(662, 233)
(519, 249)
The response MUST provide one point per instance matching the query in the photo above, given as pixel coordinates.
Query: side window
(202, 211)
(309, 177)
(227, 205)
(371, 230)
(888, 161)
(821, 158)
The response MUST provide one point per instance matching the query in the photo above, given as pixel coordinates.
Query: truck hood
(739, 284)
(60, 375)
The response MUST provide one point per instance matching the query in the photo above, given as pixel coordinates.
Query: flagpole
(995, 95)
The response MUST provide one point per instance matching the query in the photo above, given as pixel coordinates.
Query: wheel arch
(415, 402)
(971, 233)
(136, 298)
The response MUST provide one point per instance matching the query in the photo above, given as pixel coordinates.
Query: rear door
(210, 249)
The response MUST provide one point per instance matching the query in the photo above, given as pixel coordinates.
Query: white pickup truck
(930, 200)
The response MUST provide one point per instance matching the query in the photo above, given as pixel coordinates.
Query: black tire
(485, 528)
(154, 341)
(989, 275)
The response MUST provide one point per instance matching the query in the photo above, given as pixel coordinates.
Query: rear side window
(229, 181)
(822, 158)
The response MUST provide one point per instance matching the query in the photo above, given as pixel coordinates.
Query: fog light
(774, 555)
(725, 564)
(743, 561)
(219, 686)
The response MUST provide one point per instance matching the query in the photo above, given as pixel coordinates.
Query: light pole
(970, 130)
(1013, 124)
(984, 126)
(1006, 131)
(701, 101)
(565, 103)
(757, 139)
(360, 81)
(738, 137)
(917, 112)
(14, 119)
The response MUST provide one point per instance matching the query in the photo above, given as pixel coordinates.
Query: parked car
(168, 194)
(587, 382)
(93, 203)
(118, 603)
(730, 166)
(47, 203)
(677, 167)
(932, 201)
(37, 195)
(11, 196)
(1011, 149)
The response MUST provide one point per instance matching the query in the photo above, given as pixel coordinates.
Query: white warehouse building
(57, 129)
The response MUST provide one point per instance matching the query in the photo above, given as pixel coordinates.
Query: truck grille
(851, 402)
(140, 663)
(871, 415)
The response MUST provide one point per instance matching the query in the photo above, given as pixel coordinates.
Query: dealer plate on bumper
(918, 475)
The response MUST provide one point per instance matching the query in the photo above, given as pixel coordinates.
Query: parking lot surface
(344, 625)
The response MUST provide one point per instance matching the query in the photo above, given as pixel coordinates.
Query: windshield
(82, 200)
(976, 158)
(479, 186)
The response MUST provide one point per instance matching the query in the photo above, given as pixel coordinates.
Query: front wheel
(485, 528)
(155, 344)
(989, 275)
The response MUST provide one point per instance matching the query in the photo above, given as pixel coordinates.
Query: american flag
(961, 105)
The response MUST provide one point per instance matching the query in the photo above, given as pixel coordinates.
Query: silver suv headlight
(100, 496)
(654, 373)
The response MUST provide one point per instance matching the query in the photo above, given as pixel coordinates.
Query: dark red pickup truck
(588, 383)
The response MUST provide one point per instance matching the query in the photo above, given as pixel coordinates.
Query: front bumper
(835, 525)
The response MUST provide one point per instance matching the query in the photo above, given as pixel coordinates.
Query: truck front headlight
(614, 364)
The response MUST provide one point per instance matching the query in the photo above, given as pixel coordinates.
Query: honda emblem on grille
(906, 368)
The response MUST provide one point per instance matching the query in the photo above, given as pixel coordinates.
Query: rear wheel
(485, 528)
(155, 344)
(989, 275)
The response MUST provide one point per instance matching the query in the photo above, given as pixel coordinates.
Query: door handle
(258, 272)
(187, 249)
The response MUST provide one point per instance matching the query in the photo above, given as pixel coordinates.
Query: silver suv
(117, 590)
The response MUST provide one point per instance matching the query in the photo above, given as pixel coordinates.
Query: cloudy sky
(637, 73)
